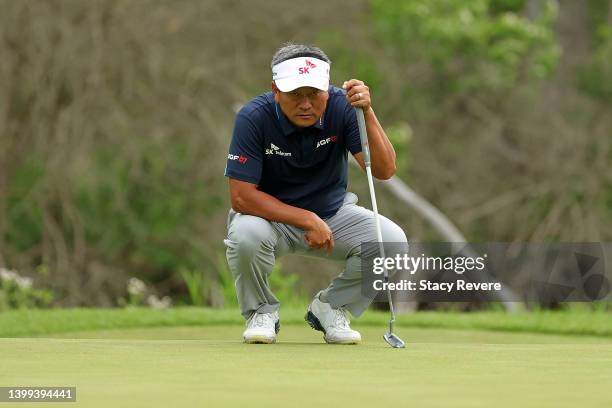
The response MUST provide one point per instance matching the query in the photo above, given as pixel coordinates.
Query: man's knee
(391, 232)
(396, 242)
(248, 235)
(392, 235)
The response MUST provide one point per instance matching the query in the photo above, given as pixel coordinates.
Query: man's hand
(318, 235)
(247, 199)
(357, 94)
(381, 149)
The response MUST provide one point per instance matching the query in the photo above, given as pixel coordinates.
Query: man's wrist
(308, 222)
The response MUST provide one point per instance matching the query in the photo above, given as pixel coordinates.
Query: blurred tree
(594, 74)
(469, 47)
(115, 119)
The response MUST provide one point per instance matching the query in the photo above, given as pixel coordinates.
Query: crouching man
(287, 170)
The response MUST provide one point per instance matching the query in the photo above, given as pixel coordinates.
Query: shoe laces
(340, 319)
(262, 320)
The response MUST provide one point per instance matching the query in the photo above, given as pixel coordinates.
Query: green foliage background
(115, 117)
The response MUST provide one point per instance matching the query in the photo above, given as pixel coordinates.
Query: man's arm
(247, 199)
(381, 150)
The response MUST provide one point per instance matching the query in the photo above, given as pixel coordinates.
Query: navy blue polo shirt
(302, 167)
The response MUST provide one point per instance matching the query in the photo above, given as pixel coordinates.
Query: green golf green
(210, 366)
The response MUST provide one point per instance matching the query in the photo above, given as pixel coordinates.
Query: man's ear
(276, 91)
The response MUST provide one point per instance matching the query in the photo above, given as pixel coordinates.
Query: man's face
(302, 106)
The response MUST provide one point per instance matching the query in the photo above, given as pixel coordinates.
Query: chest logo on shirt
(277, 151)
(322, 142)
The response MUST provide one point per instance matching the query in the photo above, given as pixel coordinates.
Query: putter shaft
(391, 338)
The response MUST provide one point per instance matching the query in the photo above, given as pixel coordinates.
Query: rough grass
(23, 323)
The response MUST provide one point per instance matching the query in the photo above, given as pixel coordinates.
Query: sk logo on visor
(305, 70)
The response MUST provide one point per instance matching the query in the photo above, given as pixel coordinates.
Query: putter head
(393, 340)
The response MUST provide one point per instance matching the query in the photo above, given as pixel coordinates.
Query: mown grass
(188, 356)
(211, 366)
(24, 323)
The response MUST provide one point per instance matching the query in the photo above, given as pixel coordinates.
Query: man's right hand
(318, 235)
(247, 199)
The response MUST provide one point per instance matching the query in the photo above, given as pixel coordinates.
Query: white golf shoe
(262, 328)
(332, 322)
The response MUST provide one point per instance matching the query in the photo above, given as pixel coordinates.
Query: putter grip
(363, 135)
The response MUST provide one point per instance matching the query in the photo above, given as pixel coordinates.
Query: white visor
(302, 71)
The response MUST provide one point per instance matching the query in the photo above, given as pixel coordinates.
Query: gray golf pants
(253, 245)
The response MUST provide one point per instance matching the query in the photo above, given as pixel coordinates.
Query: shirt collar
(289, 127)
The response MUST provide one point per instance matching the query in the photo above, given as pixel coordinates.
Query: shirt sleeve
(353, 141)
(244, 160)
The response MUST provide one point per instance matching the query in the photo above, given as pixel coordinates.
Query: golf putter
(391, 338)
